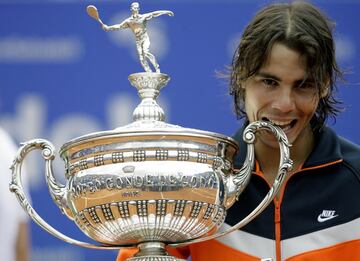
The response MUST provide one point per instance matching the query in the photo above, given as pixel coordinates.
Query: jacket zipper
(277, 230)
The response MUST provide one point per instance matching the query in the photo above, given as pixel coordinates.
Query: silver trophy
(148, 184)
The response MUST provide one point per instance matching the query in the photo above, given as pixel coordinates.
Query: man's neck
(269, 157)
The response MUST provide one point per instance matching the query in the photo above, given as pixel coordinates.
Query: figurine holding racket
(137, 23)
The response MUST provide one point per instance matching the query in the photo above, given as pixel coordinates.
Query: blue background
(61, 76)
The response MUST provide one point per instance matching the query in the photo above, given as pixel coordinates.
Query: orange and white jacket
(315, 218)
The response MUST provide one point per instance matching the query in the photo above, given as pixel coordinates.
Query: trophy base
(155, 258)
(153, 251)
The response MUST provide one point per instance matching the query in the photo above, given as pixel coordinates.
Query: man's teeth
(284, 125)
(280, 123)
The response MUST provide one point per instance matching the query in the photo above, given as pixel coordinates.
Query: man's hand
(170, 13)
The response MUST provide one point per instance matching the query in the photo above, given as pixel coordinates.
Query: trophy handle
(242, 177)
(57, 191)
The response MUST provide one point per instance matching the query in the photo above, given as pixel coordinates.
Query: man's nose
(284, 100)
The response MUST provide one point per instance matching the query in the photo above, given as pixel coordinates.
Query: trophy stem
(148, 86)
(153, 251)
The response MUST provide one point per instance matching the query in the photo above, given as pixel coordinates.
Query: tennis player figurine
(137, 23)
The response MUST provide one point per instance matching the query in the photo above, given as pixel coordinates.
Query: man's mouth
(284, 125)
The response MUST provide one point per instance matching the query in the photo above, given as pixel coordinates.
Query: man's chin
(269, 140)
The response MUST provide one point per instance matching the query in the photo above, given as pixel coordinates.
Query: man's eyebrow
(271, 76)
(268, 75)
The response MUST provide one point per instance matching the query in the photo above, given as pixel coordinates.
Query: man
(137, 23)
(14, 236)
(284, 71)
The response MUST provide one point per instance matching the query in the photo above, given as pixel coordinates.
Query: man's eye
(269, 82)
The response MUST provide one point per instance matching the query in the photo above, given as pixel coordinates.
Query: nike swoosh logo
(323, 219)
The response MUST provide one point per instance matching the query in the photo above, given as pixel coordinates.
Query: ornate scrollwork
(249, 136)
(57, 190)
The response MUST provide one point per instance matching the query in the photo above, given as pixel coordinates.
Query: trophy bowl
(164, 185)
(150, 183)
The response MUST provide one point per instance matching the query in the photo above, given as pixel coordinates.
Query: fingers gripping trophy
(150, 183)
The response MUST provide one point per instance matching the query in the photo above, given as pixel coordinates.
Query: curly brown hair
(301, 27)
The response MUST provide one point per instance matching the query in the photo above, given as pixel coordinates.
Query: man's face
(280, 93)
(135, 8)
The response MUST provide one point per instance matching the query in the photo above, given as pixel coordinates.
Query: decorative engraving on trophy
(162, 154)
(118, 182)
(88, 151)
(195, 210)
(130, 194)
(117, 157)
(83, 164)
(88, 184)
(141, 207)
(144, 81)
(217, 162)
(219, 216)
(209, 211)
(124, 209)
(71, 168)
(202, 157)
(161, 207)
(183, 155)
(139, 155)
(124, 182)
(128, 146)
(128, 169)
(227, 164)
(179, 208)
(107, 212)
(138, 181)
(188, 181)
(109, 184)
(99, 148)
(81, 153)
(141, 182)
(99, 160)
(83, 219)
(94, 216)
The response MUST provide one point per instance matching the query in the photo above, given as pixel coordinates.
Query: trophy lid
(148, 121)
